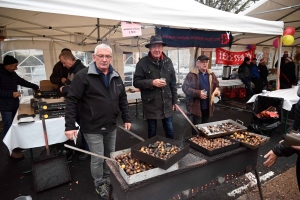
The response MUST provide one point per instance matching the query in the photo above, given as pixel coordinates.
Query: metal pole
(279, 62)
(178, 65)
(98, 30)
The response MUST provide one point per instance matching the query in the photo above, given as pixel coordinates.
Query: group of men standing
(95, 95)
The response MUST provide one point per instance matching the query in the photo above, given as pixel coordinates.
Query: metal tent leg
(258, 184)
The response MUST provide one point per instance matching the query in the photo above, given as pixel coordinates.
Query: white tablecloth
(290, 97)
(235, 82)
(30, 135)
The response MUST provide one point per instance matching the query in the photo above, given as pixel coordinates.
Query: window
(31, 67)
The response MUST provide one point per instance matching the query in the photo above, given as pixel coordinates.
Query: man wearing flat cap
(155, 77)
(9, 95)
(200, 86)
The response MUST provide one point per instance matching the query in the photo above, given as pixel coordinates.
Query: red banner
(231, 58)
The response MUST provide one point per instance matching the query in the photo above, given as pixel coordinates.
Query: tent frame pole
(279, 62)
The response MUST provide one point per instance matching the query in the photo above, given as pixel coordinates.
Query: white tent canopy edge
(179, 13)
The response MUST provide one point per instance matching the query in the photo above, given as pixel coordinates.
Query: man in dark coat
(155, 77)
(200, 86)
(263, 70)
(281, 149)
(69, 62)
(245, 76)
(282, 60)
(9, 95)
(101, 93)
(287, 74)
(60, 73)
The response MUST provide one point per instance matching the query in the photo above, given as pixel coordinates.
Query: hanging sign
(231, 58)
(131, 29)
(195, 38)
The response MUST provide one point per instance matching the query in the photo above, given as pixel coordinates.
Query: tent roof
(32, 18)
(275, 10)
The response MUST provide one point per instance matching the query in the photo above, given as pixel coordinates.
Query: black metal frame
(194, 176)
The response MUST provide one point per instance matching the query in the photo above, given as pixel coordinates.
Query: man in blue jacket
(101, 93)
(9, 95)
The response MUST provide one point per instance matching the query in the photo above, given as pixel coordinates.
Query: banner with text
(195, 38)
(231, 58)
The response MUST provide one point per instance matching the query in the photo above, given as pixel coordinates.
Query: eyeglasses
(104, 56)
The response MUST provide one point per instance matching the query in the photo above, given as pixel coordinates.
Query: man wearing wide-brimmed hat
(155, 77)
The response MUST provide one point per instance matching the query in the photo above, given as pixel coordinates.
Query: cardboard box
(48, 114)
(46, 85)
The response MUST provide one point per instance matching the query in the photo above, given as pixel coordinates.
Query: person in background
(287, 74)
(101, 93)
(263, 71)
(155, 77)
(9, 95)
(200, 86)
(69, 62)
(281, 149)
(60, 73)
(245, 76)
(255, 76)
(282, 60)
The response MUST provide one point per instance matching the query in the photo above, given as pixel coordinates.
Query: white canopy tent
(53, 25)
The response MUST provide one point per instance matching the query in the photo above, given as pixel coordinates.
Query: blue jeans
(167, 124)
(103, 144)
(7, 119)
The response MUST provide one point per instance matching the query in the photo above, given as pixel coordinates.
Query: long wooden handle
(87, 152)
(186, 117)
(131, 133)
(46, 137)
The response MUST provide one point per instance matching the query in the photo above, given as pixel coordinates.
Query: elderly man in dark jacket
(101, 93)
(282, 149)
(155, 77)
(9, 95)
(245, 76)
(200, 86)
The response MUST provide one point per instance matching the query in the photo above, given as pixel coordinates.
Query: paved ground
(14, 183)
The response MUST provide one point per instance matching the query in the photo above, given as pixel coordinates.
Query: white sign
(131, 29)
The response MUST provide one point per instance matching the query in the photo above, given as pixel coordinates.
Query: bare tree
(234, 6)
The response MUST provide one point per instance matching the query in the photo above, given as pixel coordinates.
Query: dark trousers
(247, 83)
(258, 85)
(200, 120)
(167, 124)
(7, 119)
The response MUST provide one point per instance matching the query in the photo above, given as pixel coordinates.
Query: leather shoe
(83, 156)
(17, 155)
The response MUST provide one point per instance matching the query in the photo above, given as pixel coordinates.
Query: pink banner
(231, 58)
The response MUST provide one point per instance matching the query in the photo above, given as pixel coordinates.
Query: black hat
(8, 60)
(246, 59)
(254, 59)
(202, 57)
(155, 39)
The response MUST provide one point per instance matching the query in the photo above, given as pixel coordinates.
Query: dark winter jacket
(192, 90)
(244, 71)
(287, 73)
(99, 105)
(8, 84)
(263, 70)
(59, 72)
(72, 71)
(281, 149)
(157, 102)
